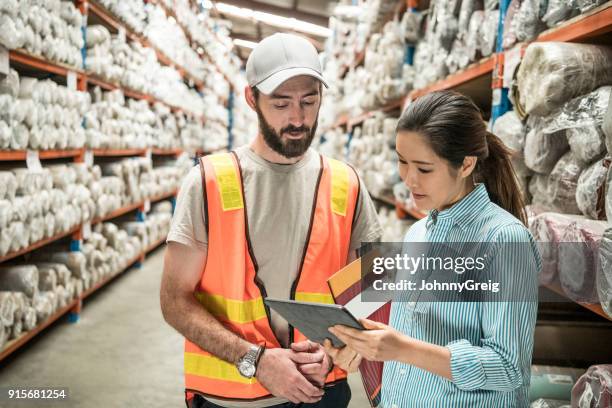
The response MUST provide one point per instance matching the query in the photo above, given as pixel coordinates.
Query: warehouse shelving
(109, 278)
(23, 59)
(472, 72)
(477, 77)
(21, 155)
(480, 79)
(27, 60)
(40, 244)
(97, 11)
(589, 25)
(194, 45)
(15, 344)
(78, 229)
(400, 8)
(74, 306)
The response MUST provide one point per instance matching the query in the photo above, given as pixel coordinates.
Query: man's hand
(278, 372)
(316, 373)
(345, 357)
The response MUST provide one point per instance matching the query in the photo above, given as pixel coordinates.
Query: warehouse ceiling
(315, 12)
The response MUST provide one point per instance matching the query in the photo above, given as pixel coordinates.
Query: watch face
(247, 369)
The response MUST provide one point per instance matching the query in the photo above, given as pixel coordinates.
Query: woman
(456, 354)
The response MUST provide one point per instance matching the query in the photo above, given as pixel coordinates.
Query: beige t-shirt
(278, 199)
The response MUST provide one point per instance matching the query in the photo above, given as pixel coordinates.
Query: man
(270, 219)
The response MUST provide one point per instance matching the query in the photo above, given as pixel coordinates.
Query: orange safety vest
(229, 288)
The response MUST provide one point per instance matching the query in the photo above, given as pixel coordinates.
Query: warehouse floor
(121, 352)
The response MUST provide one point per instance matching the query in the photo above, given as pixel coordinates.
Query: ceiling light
(274, 20)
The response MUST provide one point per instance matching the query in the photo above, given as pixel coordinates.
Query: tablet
(313, 319)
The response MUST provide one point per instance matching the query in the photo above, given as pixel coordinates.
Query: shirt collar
(463, 212)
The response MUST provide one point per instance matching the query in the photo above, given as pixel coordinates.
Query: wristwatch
(247, 365)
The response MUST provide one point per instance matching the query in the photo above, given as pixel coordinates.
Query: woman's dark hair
(454, 127)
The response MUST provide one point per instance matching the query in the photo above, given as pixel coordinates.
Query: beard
(289, 148)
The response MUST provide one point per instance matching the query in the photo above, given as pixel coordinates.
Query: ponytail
(454, 127)
(497, 173)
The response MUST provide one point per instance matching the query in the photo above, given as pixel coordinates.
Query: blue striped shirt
(491, 343)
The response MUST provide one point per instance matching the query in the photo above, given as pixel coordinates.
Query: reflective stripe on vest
(229, 288)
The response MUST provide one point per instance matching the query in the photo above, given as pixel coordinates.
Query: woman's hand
(378, 343)
(344, 357)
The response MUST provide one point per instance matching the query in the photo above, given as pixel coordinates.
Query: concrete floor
(121, 353)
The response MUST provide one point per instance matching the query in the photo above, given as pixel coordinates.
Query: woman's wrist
(405, 348)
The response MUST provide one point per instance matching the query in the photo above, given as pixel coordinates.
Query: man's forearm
(194, 322)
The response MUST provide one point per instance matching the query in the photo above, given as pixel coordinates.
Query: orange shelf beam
(167, 152)
(595, 308)
(19, 155)
(473, 71)
(118, 152)
(594, 23)
(164, 196)
(15, 344)
(119, 212)
(24, 58)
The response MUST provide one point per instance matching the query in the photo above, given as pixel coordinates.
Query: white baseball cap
(280, 57)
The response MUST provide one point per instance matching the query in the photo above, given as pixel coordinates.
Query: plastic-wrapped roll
(29, 318)
(510, 130)
(488, 32)
(8, 185)
(472, 41)
(20, 236)
(608, 198)
(21, 302)
(587, 143)
(74, 261)
(579, 260)
(526, 22)
(594, 388)
(20, 137)
(6, 213)
(62, 296)
(6, 239)
(563, 182)
(28, 181)
(547, 229)
(10, 84)
(551, 73)
(604, 273)
(162, 207)
(43, 304)
(7, 308)
(19, 278)
(5, 135)
(583, 111)
(586, 5)
(558, 11)
(16, 329)
(590, 190)
(543, 150)
(47, 278)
